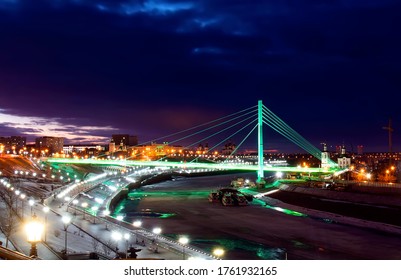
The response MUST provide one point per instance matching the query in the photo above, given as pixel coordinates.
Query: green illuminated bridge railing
(225, 166)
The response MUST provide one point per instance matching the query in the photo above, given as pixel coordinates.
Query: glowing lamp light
(183, 240)
(31, 202)
(218, 252)
(66, 220)
(34, 230)
(157, 230)
(116, 235)
(137, 223)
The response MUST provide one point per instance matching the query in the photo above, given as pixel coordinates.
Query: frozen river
(181, 207)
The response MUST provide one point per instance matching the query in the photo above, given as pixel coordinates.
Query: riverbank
(382, 211)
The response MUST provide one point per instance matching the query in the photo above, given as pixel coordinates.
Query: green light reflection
(279, 209)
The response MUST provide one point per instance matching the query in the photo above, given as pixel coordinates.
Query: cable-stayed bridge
(251, 119)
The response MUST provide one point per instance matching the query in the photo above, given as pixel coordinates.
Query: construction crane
(390, 131)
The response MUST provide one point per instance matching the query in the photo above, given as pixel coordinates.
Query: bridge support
(260, 180)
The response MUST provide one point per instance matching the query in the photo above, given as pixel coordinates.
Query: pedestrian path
(85, 234)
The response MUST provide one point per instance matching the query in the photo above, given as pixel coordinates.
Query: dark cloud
(154, 66)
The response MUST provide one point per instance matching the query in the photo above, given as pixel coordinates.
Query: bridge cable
(272, 124)
(218, 144)
(206, 129)
(239, 145)
(287, 128)
(200, 125)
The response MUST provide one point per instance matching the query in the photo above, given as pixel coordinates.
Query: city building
(155, 151)
(202, 149)
(325, 157)
(112, 146)
(84, 150)
(344, 161)
(228, 148)
(12, 144)
(125, 140)
(48, 145)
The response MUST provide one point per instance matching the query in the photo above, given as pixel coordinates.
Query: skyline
(87, 69)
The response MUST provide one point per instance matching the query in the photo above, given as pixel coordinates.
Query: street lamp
(17, 192)
(22, 204)
(126, 237)
(75, 202)
(156, 231)
(105, 214)
(84, 205)
(31, 203)
(137, 224)
(94, 209)
(218, 252)
(46, 210)
(184, 241)
(66, 221)
(34, 231)
(117, 237)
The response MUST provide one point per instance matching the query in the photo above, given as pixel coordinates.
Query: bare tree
(8, 196)
(95, 244)
(107, 247)
(9, 224)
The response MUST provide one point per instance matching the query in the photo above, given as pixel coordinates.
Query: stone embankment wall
(385, 197)
(357, 194)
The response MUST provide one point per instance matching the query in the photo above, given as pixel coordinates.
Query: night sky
(86, 69)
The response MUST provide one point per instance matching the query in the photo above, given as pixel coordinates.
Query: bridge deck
(222, 166)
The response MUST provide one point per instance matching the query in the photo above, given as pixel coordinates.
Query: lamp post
(46, 210)
(17, 192)
(94, 209)
(156, 231)
(84, 205)
(31, 203)
(66, 221)
(126, 237)
(137, 224)
(184, 241)
(106, 213)
(22, 204)
(75, 202)
(34, 231)
(117, 237)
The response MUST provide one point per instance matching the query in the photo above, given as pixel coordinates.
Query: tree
(107, 247)
(95, 244)
(9, 224)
